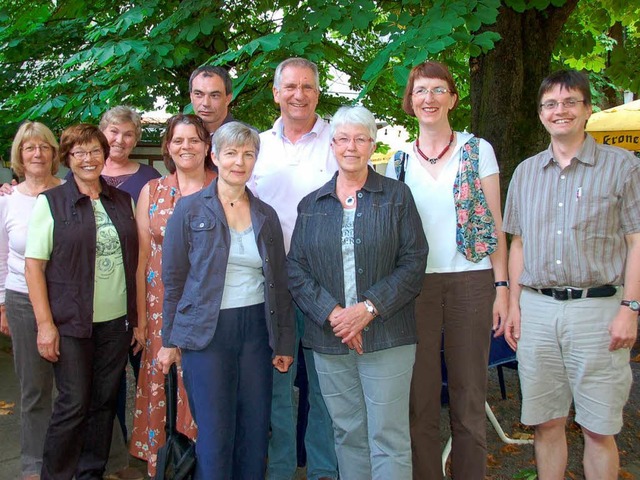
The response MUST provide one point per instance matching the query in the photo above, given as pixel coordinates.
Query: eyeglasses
(81, 154)
(553, 104)
(423, 92)
(32, 148)
(359, 141)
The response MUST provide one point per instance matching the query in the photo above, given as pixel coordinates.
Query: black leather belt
(574, 293)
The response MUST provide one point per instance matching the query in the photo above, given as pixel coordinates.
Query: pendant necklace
(434, 160)
(232, 203)
(349, 201)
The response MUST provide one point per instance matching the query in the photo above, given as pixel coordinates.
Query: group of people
(258, 247)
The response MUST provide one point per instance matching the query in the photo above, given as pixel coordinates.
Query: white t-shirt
(436, 206)
(15, 212)
(286, 172)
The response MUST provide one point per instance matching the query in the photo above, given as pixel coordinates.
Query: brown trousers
(457, 307)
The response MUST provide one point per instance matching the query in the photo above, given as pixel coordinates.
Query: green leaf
(401, 74)
(271, 42)
(346, 27)
(517, 5)
(486, 40)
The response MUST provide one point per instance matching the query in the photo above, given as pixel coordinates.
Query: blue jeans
(321, 456)
(368, 399)
(87, 376)
(229, 388)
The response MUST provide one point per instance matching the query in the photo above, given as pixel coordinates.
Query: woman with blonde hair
(33, 157)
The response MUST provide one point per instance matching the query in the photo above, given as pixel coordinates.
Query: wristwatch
(370, 308)
(632, 304)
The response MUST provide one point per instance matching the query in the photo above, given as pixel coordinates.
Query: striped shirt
(573, 221)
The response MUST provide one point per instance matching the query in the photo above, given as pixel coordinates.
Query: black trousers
(87, 376)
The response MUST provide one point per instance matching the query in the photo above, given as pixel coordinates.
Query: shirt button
(366, 329)
(266, 259)
(558, 262)
(360, 271)
(271, 312)
(359, 194)
(560, 204)
(561, 177)
(271, 285)
(359, 214)
(559, 232)
(201, 225)
(358, 241)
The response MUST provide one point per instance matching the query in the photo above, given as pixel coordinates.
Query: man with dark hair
(574, 264)
(211, 93)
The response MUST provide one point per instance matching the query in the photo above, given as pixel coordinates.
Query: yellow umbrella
(618, 126)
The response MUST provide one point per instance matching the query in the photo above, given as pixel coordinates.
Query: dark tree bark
(612, 96)
(505, 82)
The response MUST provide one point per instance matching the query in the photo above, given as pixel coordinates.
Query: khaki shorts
(563, 355)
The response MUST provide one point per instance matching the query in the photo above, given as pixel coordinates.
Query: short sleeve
(488, 164)
(631, 201)
(40, 233)
(511, 220)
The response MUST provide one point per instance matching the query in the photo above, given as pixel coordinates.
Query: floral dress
(149, 415)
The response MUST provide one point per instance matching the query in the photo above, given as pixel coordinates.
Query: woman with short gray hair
(227, 308)
(356, 264)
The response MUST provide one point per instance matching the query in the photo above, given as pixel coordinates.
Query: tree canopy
(66, 61)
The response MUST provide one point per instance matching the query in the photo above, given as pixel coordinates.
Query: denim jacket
(194, 261)
(390, 258)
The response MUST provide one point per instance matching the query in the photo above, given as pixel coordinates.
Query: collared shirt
(573, 221)
(285, 172)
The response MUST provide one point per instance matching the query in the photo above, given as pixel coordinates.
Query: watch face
(634, 305)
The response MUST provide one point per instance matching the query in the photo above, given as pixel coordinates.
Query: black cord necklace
(434, 160)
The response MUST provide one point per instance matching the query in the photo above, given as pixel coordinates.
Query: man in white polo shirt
(294, 160)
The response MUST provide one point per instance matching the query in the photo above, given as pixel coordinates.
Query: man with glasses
(574, 265)
(294, 160)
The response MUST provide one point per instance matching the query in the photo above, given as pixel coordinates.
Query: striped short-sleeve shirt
(573, 220)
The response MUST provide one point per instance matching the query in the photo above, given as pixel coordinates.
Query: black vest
(71, 269)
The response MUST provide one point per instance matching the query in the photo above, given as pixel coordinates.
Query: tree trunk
(505, 82)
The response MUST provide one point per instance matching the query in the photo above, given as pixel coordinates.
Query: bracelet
(502, 283)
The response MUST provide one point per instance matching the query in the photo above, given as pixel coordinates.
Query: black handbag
(177, 457)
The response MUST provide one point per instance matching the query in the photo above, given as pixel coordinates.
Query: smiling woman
(34, 156)
(185, 148)
(123, 128)
(232, 329)
(454, 179)
(80, 258)
(359, 319)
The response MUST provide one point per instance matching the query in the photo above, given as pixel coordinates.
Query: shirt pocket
(203, 238)
(593, 213)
